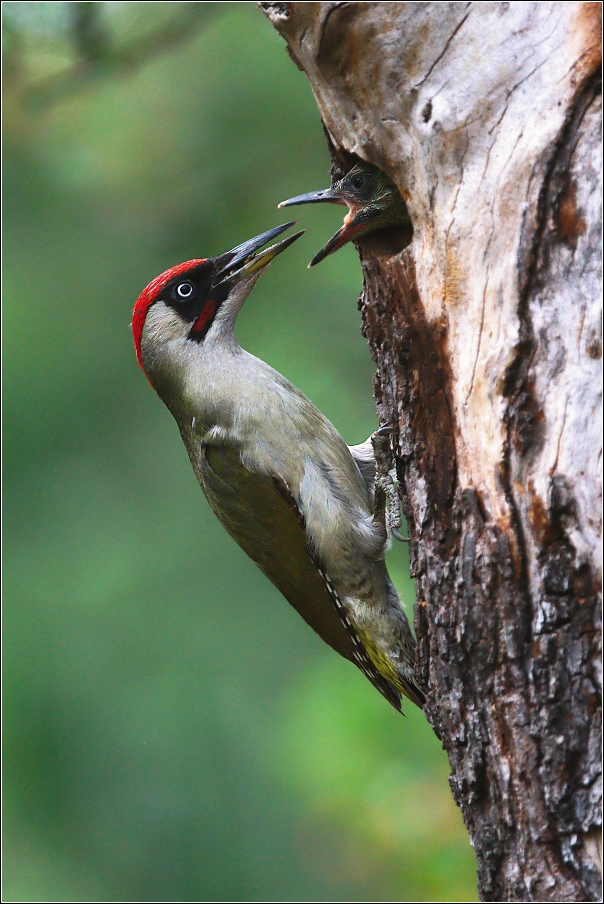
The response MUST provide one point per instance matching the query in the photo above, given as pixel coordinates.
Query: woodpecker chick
(307, 509)
(373, 201)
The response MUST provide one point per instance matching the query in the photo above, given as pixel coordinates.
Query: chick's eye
(358, 182)
(184, 290)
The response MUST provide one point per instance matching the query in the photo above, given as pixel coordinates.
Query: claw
(386, 480)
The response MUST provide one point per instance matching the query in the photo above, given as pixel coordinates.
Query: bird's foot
(386, 481)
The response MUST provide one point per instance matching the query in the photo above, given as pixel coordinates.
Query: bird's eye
(358, 182)
(184, 290)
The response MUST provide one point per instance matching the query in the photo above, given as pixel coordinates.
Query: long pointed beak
(231, 259)
(243, 260)
(356, 223)
(325, 195)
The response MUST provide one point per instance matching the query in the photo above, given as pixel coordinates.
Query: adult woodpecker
(307, 509)
(373, 201)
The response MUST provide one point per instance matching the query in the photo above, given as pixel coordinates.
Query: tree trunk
(486, 335)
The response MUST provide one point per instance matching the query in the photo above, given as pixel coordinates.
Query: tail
(392, 680)
(392, 692)
(414, 693)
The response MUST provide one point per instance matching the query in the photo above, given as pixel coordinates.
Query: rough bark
(486, 335)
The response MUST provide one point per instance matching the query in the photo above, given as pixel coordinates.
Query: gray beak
(324, 195)
(347, 232)
(242, 261)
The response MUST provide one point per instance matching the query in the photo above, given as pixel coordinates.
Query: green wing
(241, 497)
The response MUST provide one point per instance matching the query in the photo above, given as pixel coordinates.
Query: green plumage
(278, 545)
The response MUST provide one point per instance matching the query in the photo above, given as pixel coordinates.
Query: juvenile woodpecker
(309, 510)
(373, 201)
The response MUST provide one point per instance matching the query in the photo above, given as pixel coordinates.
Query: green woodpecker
(373, 201)
(310, 511)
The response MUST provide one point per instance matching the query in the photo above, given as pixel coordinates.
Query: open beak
(243, 260)
(355, 222)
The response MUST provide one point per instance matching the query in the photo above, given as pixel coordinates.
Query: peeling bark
(486, 333)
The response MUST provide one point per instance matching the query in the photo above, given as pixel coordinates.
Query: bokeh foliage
(173, 731)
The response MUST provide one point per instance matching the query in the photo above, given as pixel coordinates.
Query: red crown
(149, 295)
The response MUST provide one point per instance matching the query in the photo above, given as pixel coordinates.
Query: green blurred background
(173, 731)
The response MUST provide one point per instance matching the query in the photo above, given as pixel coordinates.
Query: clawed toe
(386, 483)
(381, 439)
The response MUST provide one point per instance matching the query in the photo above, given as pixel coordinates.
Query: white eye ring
(185, 290)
